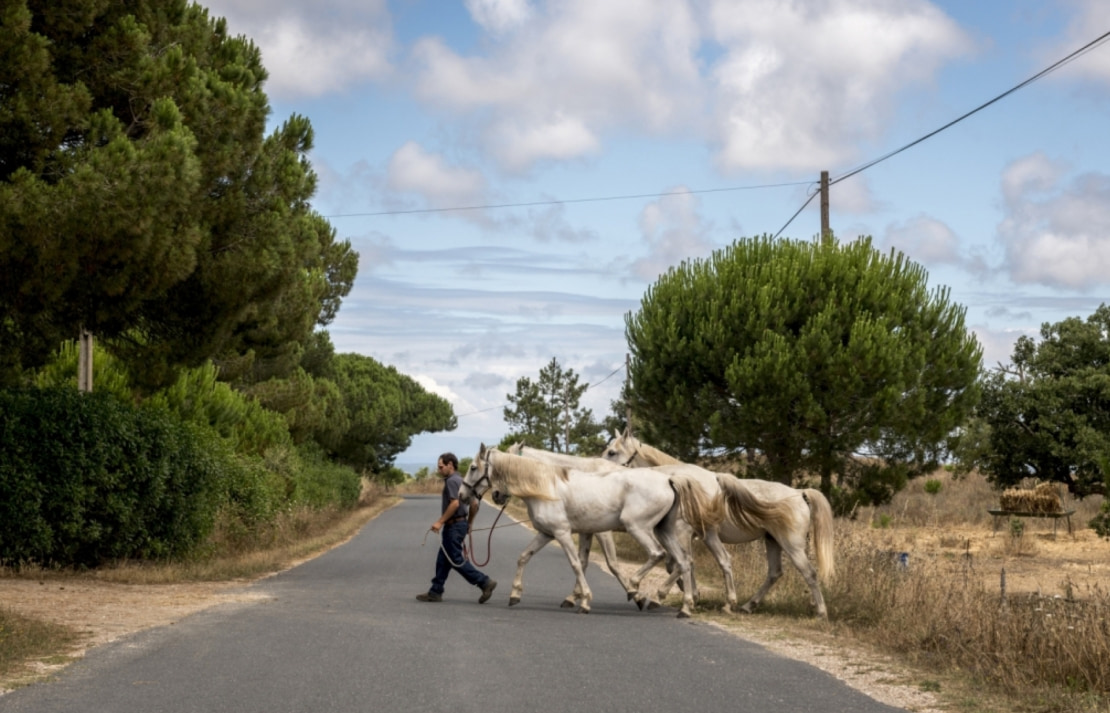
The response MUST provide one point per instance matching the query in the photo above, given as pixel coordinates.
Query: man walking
(454, 522)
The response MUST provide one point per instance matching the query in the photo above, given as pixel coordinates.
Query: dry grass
(24, 638)
(947, 614)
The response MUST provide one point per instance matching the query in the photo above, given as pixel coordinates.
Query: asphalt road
(344, 632)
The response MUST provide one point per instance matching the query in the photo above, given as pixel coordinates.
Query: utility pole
(85, 361)
(566, 418)
(826, 231)
(628, 392)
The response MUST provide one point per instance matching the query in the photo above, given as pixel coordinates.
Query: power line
(1044, 72)
(596, 199)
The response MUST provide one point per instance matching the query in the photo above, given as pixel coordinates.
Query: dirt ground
(1041, 563)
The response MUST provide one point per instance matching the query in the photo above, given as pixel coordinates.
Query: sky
(515, 174)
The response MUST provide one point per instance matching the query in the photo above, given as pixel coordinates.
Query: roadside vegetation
(942, 610)
(293, 536)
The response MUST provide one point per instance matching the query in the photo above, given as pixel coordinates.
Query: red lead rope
(489, 541)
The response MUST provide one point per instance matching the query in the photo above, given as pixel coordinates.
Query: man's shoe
(430, 597)
(487, 591)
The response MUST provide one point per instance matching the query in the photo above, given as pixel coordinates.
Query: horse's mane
(653, 454)
(525, 477)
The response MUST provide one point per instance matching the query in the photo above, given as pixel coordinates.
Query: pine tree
(546, 413)
(140, 197)
(807, 353)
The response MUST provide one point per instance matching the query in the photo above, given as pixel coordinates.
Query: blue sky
(716, 117)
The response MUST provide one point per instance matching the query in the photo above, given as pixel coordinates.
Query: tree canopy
(809, 354)
(546, 413)
(386, 409)
(140, 197)
(1047, 415)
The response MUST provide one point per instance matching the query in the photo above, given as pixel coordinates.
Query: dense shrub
(86, 478)
(196, 397)
(313, 480)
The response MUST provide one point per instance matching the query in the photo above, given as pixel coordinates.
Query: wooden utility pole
(85, 361)
(826, 231)
(566, 418)
(628, 392)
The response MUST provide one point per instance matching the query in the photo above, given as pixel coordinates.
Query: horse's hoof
(746, 609)
(513, 601)
(652, 604)
(567, 604)
(631, 596)
(640, 604)
(683, 615)
(583, 610)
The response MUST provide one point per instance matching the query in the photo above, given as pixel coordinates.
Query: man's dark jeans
(451, 557)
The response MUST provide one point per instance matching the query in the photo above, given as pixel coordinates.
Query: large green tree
(1047, 415)
(140, 196)
(810, 354)
(386, 409)
(546, 413)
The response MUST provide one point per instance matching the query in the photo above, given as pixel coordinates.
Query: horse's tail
(821, 518)
(698, 508)
(750, 512)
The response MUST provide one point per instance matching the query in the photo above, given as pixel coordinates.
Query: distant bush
(88, 478)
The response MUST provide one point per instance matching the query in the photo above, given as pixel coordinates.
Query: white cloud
(924, 240)
(432, 386)
(998, 344)
(674, 231)
(558, 79)
(1056, 233)
(312, 50)
(801, 83)
(520, 142)
(412, 169)
(499, 16)
(1090, 20)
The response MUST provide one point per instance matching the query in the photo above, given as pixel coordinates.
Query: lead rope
(489, 540)
(470, 534)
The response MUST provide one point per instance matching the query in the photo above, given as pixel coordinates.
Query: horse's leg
(655, 551)
(774, 571)
(797, 554)
(672, 544)
(584, 542)
(687, 534)
(609, 549)
(537, 544)
(564, 538)
(724, 561)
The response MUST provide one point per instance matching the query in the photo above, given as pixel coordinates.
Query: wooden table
(996, 514)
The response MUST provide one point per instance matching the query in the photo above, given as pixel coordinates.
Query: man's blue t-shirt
(451, 488)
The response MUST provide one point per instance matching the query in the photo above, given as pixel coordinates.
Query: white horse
(707, 519)
(608, 546)
(562, 501)
(781, 515)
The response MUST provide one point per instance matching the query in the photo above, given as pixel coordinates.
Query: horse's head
(623, 449)
(478, 479)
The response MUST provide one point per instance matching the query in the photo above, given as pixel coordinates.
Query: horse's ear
(482, 449)
(628, 430)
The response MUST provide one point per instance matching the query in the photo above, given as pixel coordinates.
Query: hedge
(88, 478)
